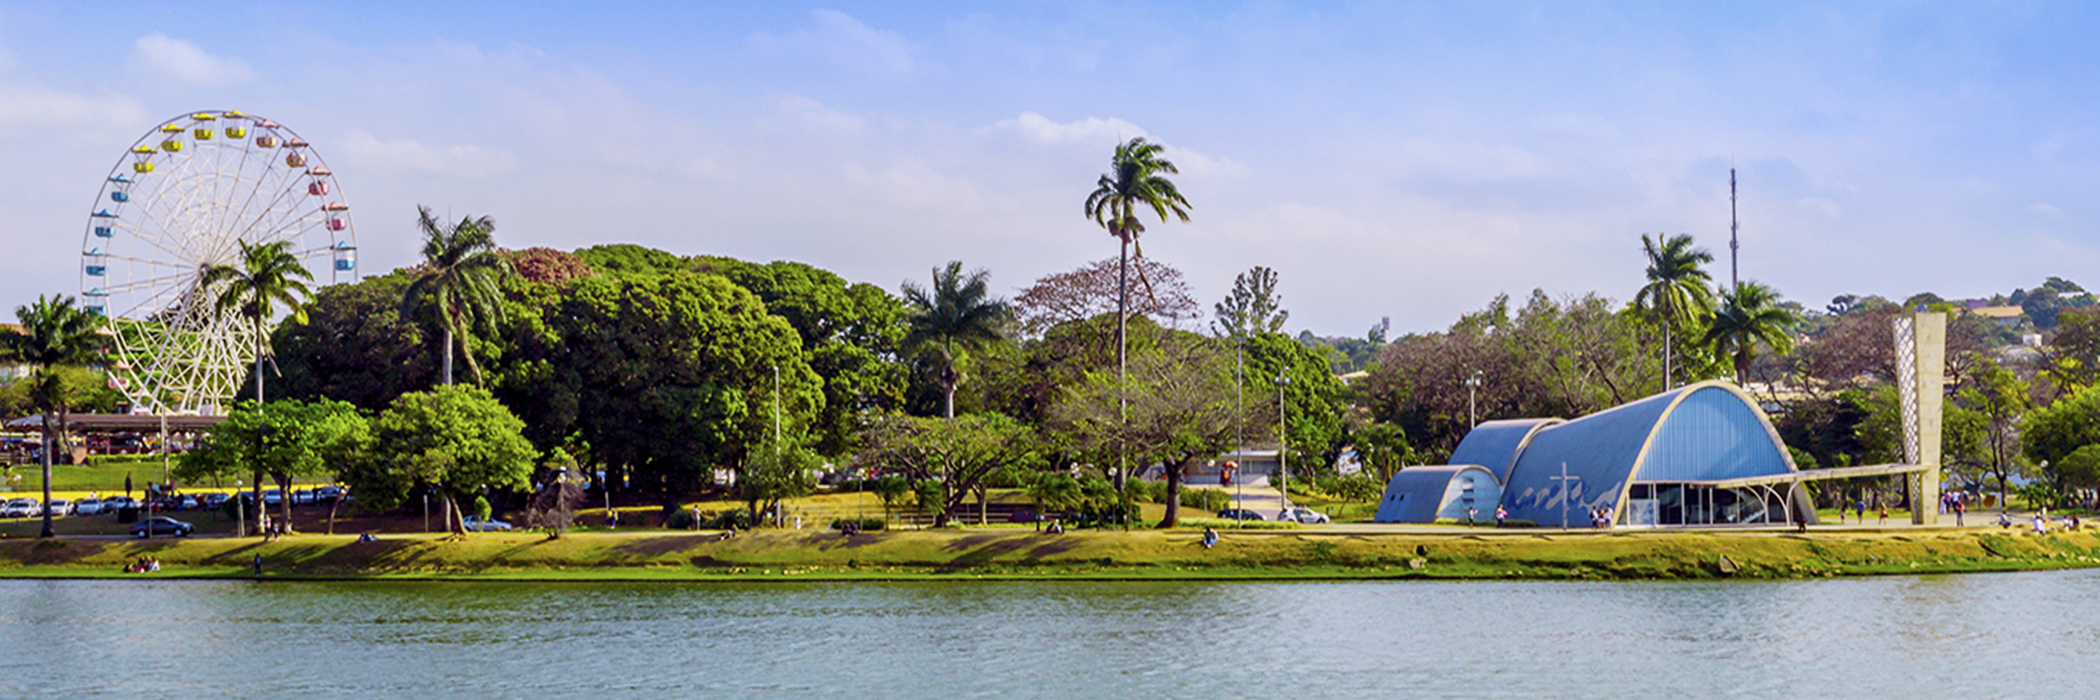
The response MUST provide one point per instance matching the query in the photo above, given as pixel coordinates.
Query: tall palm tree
(54, 334)
(1750, 315)
(458, 281)
(957, 315)
(1676, 289)
(1137, 182)
(268, 278)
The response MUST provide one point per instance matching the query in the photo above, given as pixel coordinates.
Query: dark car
(1027, 516)
(159, 526)
(1239, 514)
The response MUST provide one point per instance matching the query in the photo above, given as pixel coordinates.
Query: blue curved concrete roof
(1699, 432)
(1416, 493)
(1494, 444)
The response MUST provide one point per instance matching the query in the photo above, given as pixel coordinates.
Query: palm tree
(1750, 315)
(458, 280)
(958, 314)
(1676, 289)
(54, 334)
(1137, 182)
(268, 278)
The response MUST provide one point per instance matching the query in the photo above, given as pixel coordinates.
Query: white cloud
(1827, 207)
(913, 185)
(814, 113)
(185, 62)
(844, 40)
(407, 154)
(1041, 129)
(2046, 209)
(31, 106)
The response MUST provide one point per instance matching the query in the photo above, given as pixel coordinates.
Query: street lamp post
(240, 512)
(1239, 422)
(1283, 444)
(1472, 384)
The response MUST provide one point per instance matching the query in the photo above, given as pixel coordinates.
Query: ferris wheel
(183, 198)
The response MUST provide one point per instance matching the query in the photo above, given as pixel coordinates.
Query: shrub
(866, 524)
(1353, 487)
(1205, 499)
(735, 516)
(682, 519)
(1142, 491)
(481, 508)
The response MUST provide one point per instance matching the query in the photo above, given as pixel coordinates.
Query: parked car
(1302, 514)
(21, 508)
(1240, 514)
(303, 497)
(59, 507)
(273, 497)
(214, 499)
(327, 494)
(1027, 516)
(111, 504)
(88, 506)
(161, 525)
(186, 502)
(475, 524)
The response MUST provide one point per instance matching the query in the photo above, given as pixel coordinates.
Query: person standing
(1501, 515)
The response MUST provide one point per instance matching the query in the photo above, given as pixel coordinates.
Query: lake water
(2029, 635)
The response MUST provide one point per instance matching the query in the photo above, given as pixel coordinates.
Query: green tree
(672, 376)
(2000, 398)
(776, 472)
(947, 459)
(287, 440)
(1382, 449)
(54, 334)
(355, 346)
(268, 278)
(1053, 493)
(1181, 408)
(1676, 291)
(452, 440)
(1314, 400)
(2052, 435)
(457, 288)
(1136, 181)
(1749, 315)
(957, 315)
(1253, 307)
(851, 332)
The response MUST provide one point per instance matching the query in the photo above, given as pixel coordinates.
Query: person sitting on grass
(1210, 538)
(1057, 527)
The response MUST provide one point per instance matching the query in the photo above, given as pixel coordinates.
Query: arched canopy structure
(1495, 444)
(1657, 457)
(1427, 494)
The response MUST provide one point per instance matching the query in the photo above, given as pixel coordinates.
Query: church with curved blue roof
(1703, 454)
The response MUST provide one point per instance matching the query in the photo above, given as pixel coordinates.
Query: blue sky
(1409, 160)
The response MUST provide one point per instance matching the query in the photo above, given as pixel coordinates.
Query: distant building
(2008, 315)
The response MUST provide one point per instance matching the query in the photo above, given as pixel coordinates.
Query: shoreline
(1022, 555)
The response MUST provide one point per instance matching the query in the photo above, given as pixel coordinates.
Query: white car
(476, 524)
(60, 507)
(1302, 514)
(88, 506)
(111, 504)
(21, 508)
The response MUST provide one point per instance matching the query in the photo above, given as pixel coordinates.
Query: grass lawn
(1081, 554)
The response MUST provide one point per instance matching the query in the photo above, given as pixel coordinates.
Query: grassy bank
(1002, 554)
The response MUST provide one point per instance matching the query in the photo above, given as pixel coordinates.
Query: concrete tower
(1921, 361)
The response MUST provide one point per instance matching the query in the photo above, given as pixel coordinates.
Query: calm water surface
(1980, 636)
